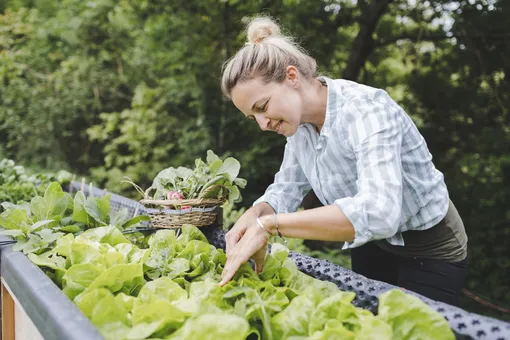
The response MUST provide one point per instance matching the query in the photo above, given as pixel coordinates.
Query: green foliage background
(107, 89)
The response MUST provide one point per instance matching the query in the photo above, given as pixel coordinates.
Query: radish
(176, 195)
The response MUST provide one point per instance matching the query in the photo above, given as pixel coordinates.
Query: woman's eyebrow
(258, 102)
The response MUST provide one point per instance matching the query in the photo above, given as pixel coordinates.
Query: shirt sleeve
(374, 127)
(289, 187)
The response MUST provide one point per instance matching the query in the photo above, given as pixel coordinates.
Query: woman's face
(274, 106)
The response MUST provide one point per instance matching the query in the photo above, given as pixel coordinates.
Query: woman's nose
(263, 121)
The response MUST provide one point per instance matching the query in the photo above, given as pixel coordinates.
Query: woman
(363, 157)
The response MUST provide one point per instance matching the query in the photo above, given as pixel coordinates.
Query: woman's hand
(247, 219)
(252, 243)
(235, 234)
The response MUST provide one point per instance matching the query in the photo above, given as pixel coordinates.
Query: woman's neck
(315, 99)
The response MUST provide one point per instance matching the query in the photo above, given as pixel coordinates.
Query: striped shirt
(370, 160)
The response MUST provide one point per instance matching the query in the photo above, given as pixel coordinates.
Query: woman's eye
(263, 108)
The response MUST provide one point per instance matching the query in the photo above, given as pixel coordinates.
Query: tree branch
(364, 42)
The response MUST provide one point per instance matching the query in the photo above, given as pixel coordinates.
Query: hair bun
(261, 28)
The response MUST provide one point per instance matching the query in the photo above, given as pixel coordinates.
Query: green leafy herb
(38, 224)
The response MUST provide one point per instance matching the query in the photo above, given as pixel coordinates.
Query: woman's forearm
(325, 224)
(262, 209)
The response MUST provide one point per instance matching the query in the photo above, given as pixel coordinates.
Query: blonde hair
(267, 53)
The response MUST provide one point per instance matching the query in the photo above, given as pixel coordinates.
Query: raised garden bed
(35, 308)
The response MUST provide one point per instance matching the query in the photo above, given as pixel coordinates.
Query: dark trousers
(439, 280)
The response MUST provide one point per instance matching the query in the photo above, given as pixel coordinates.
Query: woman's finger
(232, 238)
(259, 258)
(240, 254)
(232, 265)
(228, 274)
(252, 243)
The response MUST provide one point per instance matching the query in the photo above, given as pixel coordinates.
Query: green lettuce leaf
(79, 213)
(131, 253)
(336, 307)
(111, 318)
(410, 318)
(78, 278)
(15, 219)
(162, 249)
(52, 205)
(49, 259)
(213, 327)
(87, 301)
(189, 233)
(162, 289)
(98, 208)
(295, 319)
(126, 278)
(108, 234)
(167, 316)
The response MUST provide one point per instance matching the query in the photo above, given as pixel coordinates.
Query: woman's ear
(293, 76)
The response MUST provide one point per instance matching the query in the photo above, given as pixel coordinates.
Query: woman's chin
(288, 132)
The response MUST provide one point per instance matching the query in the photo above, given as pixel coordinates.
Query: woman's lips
(278, 126)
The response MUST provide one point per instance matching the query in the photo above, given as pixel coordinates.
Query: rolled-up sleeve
(289, 187)
(374, 128)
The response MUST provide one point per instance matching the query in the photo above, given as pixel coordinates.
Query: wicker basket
(174, 213)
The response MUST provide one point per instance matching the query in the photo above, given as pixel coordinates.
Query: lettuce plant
(170, 290)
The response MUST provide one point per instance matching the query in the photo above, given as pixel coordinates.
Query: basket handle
(146, 193)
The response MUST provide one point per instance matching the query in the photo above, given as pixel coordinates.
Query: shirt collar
(331, 107)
